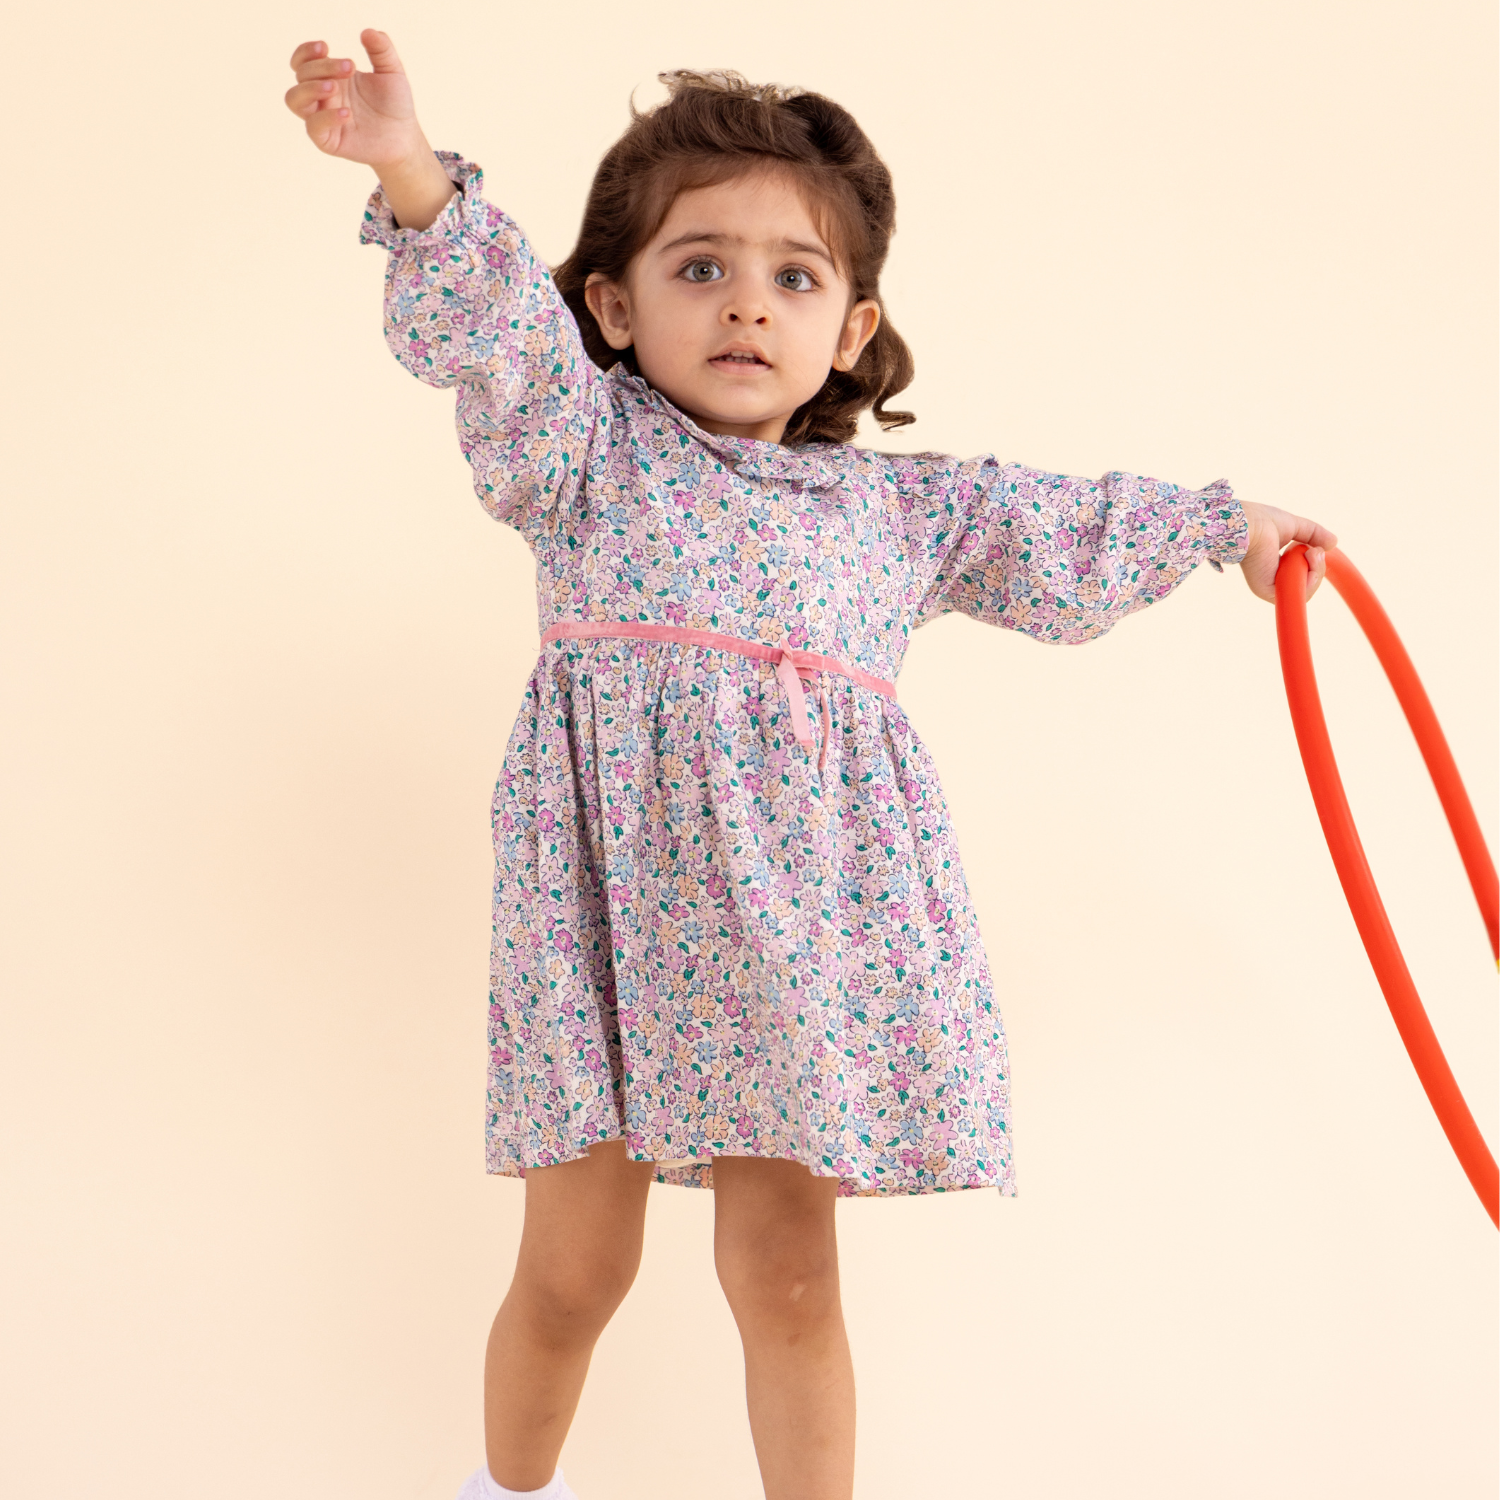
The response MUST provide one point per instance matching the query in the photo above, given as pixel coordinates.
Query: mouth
(740, 359)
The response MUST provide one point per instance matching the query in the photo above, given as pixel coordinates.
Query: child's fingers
(306, 51)
(1317, 567)
(382, 53)
(325, 67)
(324, 127)
(1304, 530)
(303, 98)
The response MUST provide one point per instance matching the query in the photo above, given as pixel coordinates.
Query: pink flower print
(563, 940)
(797, 636)
(494, 255)
(716, 886)
(758, 898)
(936, 910)
(901, 1082)
(906, 1036)
(732, 1005)
(592, 1060)
(742, 1125)
(911, 791)
(677, 614)
(911, 1159)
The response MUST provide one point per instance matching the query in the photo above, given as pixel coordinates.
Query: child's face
(735, 307)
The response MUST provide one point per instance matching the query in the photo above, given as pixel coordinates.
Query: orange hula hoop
(1348, 852)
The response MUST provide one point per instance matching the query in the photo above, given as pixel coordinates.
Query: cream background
(264, 650)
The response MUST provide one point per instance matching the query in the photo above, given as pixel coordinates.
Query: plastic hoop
(1348, 852)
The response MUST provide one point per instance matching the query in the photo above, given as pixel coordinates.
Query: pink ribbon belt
(790, 663)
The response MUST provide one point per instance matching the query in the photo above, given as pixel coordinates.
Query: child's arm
(1064, 559)
(467, 302)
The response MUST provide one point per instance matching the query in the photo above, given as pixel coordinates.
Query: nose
(745, 313)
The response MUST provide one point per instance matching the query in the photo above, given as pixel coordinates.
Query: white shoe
(480, 1486)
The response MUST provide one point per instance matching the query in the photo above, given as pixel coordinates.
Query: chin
(747, 416)
(718, 409)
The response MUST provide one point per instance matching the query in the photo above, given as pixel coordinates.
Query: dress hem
(698, 1173)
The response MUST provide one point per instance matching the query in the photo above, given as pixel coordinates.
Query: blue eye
(794, 279)
(702, 270)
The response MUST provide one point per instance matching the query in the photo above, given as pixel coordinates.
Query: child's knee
(576, 1295)
(784, 1279)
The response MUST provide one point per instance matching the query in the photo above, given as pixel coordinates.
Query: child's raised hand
(366, 117)
(1270, 530)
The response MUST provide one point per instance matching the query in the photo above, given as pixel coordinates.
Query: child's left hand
(1270, 530)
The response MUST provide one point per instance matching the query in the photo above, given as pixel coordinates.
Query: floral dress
(710, 939)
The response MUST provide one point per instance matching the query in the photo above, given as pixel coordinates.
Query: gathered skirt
(705, 944)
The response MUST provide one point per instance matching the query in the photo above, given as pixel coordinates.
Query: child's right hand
(367, 117)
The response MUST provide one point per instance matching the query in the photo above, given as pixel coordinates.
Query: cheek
(668, 322)
(817, 339)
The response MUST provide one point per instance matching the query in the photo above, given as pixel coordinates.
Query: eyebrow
(699, 238)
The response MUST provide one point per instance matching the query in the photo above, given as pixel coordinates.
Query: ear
(859, 329)
(610, 304)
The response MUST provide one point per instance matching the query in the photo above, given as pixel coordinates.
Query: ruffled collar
(815, 465)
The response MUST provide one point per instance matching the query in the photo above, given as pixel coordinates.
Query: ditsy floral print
(703, 944)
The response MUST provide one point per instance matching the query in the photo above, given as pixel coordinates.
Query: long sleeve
(468, 304)
(1057, 558)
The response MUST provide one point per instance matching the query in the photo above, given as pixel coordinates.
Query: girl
(733, 944)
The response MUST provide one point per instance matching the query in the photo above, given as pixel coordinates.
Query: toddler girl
(733, 944)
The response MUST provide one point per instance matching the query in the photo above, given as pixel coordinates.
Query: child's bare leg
(777, 1259)
(580, 1246)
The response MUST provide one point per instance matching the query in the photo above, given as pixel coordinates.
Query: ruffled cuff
(1226, 529)
(380, 227)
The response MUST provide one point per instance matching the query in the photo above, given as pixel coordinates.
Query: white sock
(481, 1486)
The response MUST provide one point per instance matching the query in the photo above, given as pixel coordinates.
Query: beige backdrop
(266, 650)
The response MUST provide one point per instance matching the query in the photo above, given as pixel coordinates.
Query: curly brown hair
(713, 128)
